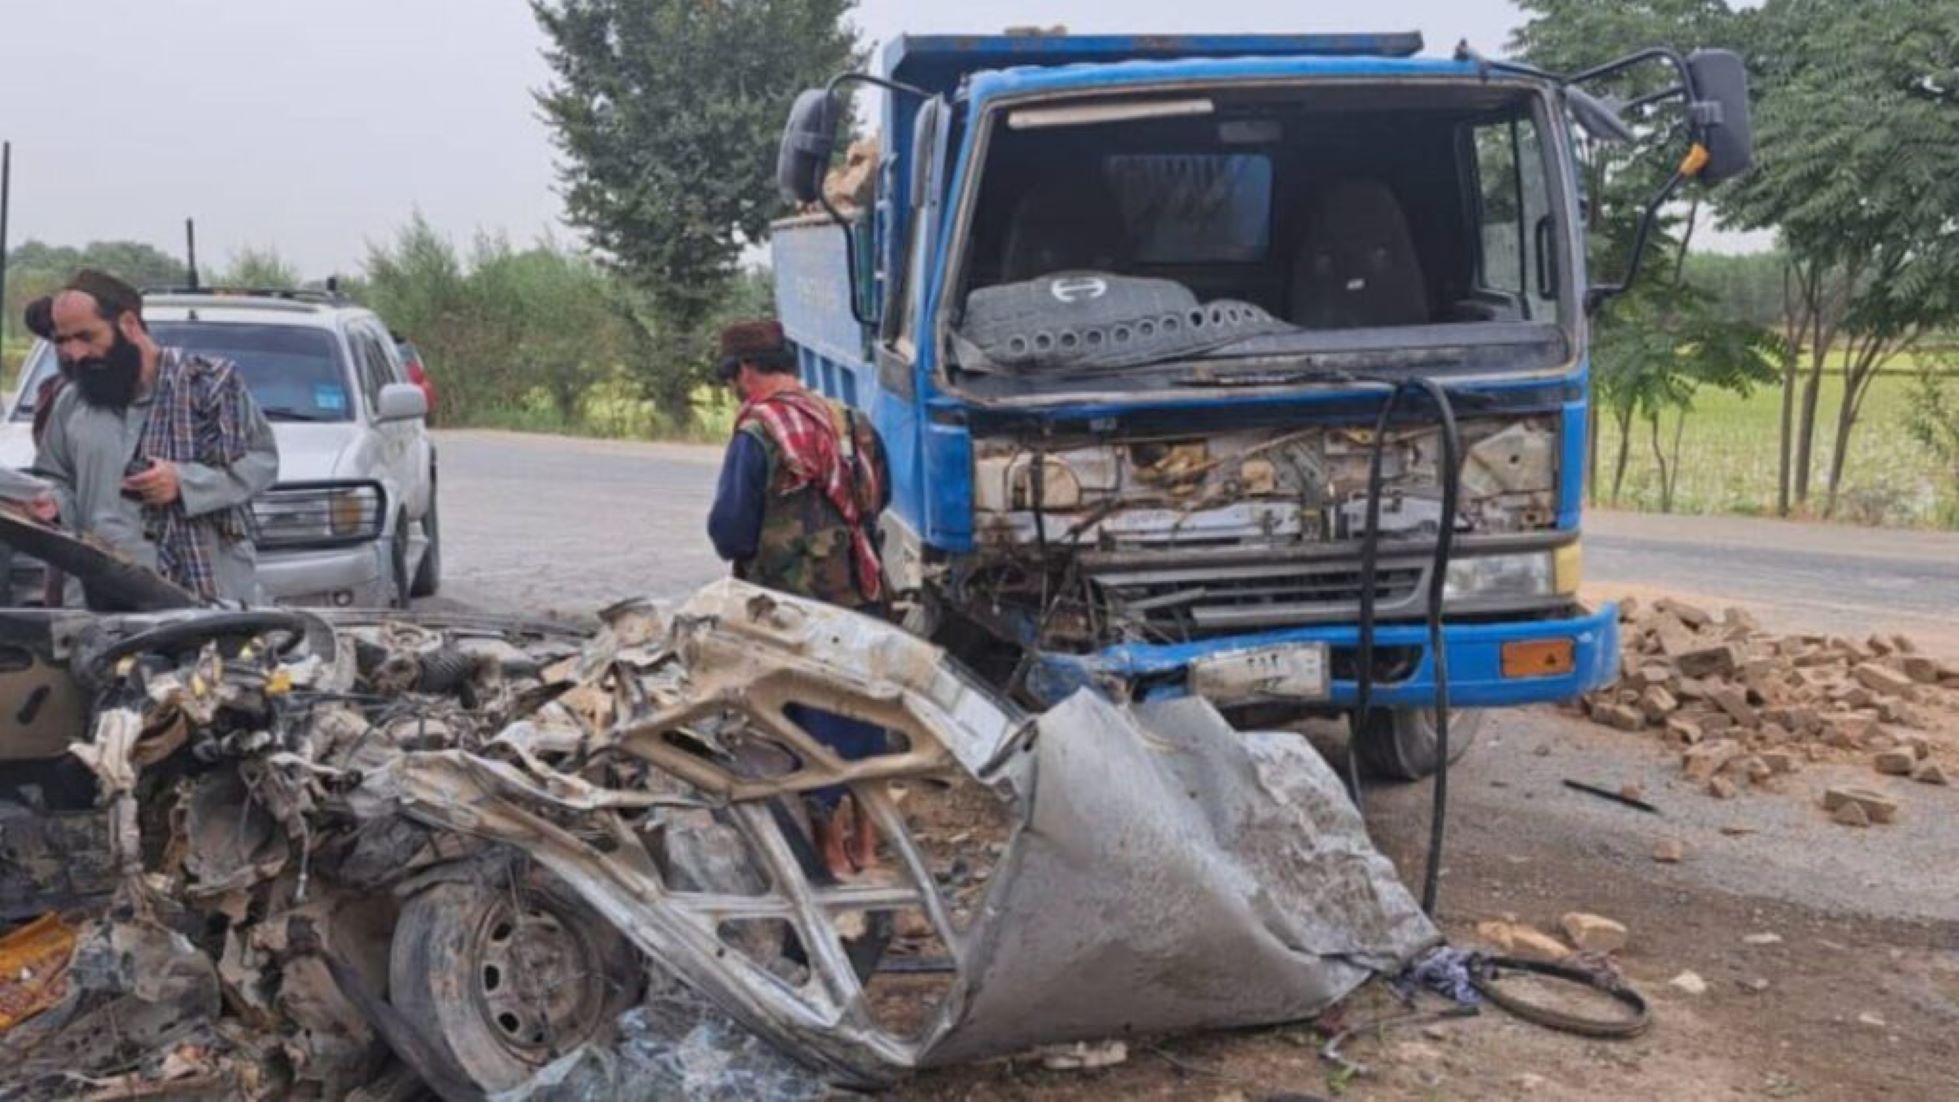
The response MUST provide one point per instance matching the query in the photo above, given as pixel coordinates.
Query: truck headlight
(1486, 577)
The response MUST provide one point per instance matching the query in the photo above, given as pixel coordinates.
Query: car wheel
(398, 582)
(1400, 744)
(502, 980)
(428, 576)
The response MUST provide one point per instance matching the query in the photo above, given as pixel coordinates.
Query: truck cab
(1126, 312)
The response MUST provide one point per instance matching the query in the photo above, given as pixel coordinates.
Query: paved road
(1796, 576)
(548, 524)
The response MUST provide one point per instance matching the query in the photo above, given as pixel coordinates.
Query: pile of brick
(1744, 706)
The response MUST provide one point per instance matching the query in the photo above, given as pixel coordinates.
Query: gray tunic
(84, 453)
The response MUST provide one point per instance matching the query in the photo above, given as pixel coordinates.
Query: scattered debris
(1899, 763)
(1629, 795)
(1878, 807)
(499, 824)
(1690, 982)
(1740, 703)
(1670, 851)
(1084, 1055)
(1872, 1020)
(1515, 939)
(1594, 933)
(1762, 939)
(1851, 814)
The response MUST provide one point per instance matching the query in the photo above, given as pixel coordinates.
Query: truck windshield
(1373, 223)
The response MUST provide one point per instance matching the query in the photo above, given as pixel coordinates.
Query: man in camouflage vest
(801, 488)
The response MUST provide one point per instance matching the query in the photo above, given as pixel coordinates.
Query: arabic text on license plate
(1293, 672)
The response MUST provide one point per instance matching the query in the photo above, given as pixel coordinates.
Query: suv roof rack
(327, 296)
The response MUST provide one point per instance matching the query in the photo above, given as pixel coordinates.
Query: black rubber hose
(1450, 475)
(1370, 542)
(1485, 977)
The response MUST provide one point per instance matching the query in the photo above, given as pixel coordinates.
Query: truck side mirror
(1720, 110)
(808, 142)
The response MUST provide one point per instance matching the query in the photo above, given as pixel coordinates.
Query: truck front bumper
(1477, 678)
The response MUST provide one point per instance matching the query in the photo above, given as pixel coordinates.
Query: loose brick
(1885, 681)
(1897, 763)
(1879, 807)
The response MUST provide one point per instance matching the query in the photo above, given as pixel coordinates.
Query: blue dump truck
(1247, 366)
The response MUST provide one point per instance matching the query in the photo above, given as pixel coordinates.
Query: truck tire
(1399, 744)
(502, 982)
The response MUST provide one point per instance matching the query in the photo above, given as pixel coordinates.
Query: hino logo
(1079, 288)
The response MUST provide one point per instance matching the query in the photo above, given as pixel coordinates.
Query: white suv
(351, 521)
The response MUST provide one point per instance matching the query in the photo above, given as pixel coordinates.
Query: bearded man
(154, 451)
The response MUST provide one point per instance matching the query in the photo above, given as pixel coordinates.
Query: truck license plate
(1294, 671)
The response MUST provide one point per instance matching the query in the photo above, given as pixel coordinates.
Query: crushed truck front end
(1134, 322)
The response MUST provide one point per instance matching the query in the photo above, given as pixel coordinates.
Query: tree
(1934, 423)
(1659, 343)
(35, 268)
(504, 330)
(1858, 170)
(256, 268)
(668, 114)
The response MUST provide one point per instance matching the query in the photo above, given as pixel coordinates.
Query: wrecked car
(300, 854)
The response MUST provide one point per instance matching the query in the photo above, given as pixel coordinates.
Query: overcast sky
(316, 128)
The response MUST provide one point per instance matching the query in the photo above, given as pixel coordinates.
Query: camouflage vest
(804, 547)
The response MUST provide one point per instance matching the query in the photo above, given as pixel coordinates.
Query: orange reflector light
(1696, 159)
(1537, 658)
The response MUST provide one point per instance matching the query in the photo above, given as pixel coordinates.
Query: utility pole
(190, 250)
(6, 192)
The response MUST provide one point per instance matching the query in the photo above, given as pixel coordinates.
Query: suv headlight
(1500, 577)
(317, 515)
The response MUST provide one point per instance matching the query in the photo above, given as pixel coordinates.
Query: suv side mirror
(807, 145)
(1720, 110)
(401, 402)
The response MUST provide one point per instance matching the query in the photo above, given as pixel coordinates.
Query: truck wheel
(503, 982)
(1399, 745)
(428, 576)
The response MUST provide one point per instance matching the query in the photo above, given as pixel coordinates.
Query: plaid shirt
(198, 414)
(805, 430)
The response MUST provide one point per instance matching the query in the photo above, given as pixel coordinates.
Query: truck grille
(1197, 600)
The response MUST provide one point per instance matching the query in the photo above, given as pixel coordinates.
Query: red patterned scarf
(806, 432)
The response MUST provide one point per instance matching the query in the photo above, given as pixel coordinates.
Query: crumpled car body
(284, 799)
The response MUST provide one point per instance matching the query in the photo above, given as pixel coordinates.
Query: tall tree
(1858, 149)
(667, 113)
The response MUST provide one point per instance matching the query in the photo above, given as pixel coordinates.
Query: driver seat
(1356, 265)
(1064, 224)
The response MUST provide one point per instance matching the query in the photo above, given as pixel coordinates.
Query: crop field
(1729, 457)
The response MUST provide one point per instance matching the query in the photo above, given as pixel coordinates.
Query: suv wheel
(428, 575)
(398, 582)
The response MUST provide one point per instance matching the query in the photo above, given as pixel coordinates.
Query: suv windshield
(294, 373)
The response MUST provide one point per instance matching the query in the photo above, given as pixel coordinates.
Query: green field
(1729, 457)
(1728, 452)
